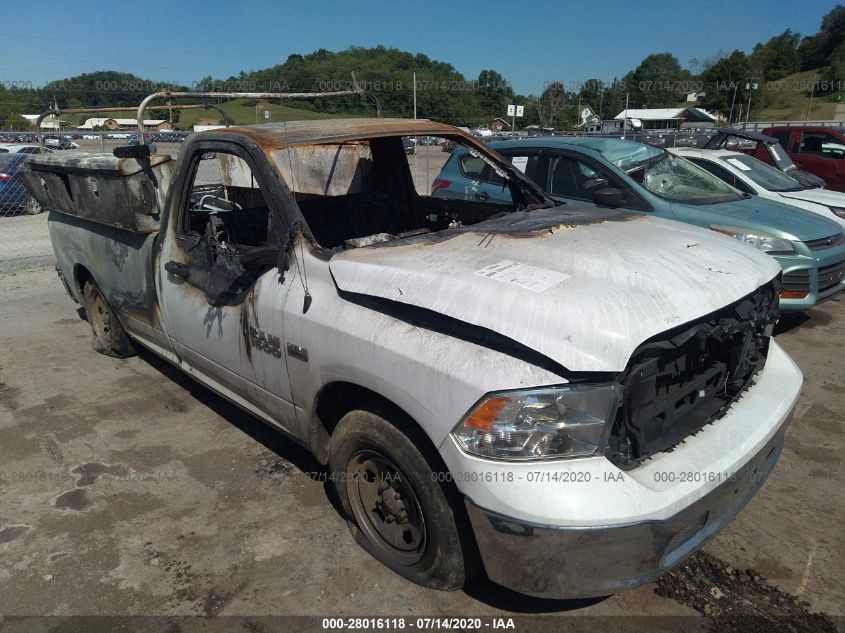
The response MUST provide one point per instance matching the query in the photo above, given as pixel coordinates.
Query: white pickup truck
(572, 399)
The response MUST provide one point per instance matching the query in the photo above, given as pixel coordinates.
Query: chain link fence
(24, 242)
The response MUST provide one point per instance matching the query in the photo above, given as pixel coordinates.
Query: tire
(32, 207)
(416, 532)
(109, 337)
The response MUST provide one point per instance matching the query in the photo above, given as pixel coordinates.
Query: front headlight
(758, 239)
(552, 422)
(838, 211)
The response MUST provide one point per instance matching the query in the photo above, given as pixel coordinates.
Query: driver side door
(220, 286)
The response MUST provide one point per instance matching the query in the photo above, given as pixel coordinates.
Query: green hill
(790, 100)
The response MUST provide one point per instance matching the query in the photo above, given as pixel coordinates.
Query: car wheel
(109, 337)
(395, 507)
(32, 206)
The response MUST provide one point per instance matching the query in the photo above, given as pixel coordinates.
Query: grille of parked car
(825, 242)
(830, 276)
(797, 281)
(686, 378)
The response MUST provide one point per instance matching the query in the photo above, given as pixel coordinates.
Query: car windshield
(764, 175)
(678, 180)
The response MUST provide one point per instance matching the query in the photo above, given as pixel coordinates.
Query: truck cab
(818, 150)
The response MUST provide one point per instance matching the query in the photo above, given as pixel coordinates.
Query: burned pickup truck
(571, 399)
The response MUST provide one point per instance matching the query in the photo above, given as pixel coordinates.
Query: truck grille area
(683, 379)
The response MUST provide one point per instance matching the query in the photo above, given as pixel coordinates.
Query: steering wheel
(211, 202)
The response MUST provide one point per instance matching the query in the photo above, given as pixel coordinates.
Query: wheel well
(339, 398)
(80, 276)
(333, 402)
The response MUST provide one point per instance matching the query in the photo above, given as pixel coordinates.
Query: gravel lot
(127, 489)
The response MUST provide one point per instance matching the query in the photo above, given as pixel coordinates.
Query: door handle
(482, 195)
(175, 268)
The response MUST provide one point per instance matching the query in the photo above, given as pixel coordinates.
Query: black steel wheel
(385, 474)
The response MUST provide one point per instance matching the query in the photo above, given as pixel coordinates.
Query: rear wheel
(109, 336)
(33, 207)
(396, 509)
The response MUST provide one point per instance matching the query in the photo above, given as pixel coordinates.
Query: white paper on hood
(523, 275)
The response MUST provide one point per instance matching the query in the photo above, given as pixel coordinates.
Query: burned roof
(276, 135)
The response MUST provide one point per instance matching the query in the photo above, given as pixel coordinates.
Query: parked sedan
(755, 177)
(14, 196)
(616, 173)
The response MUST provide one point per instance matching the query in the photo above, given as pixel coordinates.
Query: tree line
(723, 82)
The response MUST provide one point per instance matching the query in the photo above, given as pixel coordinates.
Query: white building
(111, 123)
(668, 118)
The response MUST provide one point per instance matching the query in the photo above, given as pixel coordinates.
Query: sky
(529, 43)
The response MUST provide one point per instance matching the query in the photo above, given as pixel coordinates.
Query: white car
(755, 177)
(13, 148)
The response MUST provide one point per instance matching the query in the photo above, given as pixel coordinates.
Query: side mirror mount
(610, 197)
(141, 153)
(138, 152)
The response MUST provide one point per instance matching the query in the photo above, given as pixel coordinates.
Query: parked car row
(801, 229)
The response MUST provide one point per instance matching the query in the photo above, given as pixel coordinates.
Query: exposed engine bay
(684, 379)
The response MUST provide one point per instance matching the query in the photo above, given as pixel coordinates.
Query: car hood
(821, 196)
(582, 287)
(763, 214)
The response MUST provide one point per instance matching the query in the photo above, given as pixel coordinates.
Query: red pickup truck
(819, 150)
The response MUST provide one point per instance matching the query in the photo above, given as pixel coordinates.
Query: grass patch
(239, 111)
(791, 100)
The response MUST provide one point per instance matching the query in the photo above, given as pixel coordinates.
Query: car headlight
(758, 239)
(544, 423)
(839, 211)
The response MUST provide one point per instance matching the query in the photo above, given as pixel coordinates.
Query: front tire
(395, 507)
(109, 337)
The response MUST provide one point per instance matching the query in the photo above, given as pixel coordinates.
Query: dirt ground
(127, 489)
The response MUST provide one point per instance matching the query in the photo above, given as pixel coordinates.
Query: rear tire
(33, 207)
(109, 337)
(395, 507)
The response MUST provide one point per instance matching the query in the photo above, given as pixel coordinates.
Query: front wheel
(396, 509)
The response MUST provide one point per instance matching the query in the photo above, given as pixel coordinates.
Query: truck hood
(780, 218)
(583, 287)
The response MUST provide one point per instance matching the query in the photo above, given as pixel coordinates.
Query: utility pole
(749, 86)
(414, 79)
(810, 107)
(730, 116)
(625, 120)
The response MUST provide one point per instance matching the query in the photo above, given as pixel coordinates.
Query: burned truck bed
(119, 192)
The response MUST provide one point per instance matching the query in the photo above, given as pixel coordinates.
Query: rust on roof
(280, 135)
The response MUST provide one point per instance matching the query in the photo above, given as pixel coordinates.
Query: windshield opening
(355, 193)
(678, 180)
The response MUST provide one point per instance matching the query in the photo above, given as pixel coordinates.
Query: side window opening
(572, 178)
(226, 202)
